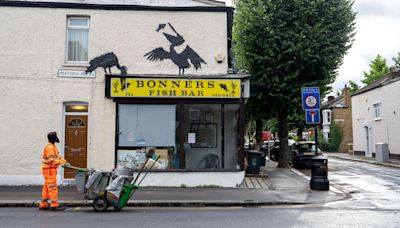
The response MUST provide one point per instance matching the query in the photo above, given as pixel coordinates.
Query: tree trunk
(283, 138)
(258, 134)
(300, 133)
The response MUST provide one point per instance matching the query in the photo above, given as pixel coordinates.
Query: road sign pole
(316, 140)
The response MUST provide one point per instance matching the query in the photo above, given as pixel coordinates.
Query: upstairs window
(377, 111)
(77, 39)
(326, 114)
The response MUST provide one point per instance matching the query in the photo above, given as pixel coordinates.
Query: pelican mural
(179, 59)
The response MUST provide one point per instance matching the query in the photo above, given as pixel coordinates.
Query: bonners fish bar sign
(175, 88)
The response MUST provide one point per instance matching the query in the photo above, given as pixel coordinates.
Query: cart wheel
(100, 203)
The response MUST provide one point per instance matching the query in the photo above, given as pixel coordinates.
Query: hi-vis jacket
(50, 157)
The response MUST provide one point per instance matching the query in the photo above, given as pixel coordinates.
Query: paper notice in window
(192, 138)
(131, 136)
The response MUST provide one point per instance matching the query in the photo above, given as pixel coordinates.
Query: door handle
(75, 149)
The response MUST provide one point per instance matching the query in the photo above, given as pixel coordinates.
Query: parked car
(303, 152)
(274, 151)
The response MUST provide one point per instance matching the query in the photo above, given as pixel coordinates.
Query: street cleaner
(50, 162)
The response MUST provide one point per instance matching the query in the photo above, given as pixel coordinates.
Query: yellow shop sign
(175, 88)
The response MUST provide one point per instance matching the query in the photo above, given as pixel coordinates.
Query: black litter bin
(264, 153)
(319, 173)
(254, 159)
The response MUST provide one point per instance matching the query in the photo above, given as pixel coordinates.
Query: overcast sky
(378, 32)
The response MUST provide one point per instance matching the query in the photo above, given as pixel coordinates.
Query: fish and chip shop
(194, 123)
(112, 87)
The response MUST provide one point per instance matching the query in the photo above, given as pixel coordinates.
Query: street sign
(310, 98)
(313, 116)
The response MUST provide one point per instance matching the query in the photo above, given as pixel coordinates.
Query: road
(206, 217)
(370, 186)
(374, 201)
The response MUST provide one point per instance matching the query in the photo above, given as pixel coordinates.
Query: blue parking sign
(313, 116)
(310, 98)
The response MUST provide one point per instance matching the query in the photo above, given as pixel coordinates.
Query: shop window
(231, 137)
(202, 132)
(204, 136)
(77, 39)
(143, 126)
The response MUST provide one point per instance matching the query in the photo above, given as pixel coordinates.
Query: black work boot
(59, 208)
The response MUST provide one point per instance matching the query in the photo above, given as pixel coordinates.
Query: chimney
(394, 72)
(346, 96)
(330, 98)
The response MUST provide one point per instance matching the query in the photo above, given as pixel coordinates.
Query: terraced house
(115, 77)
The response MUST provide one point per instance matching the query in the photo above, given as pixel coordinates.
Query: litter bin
(254, 159)
(264, 152)
(319, 173)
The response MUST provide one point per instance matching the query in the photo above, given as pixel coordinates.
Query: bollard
(319, 174)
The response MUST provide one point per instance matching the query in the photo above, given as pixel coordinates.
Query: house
(376, 115)
(116, 77)
(338, 110)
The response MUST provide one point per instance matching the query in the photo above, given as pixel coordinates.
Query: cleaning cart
(99, 191)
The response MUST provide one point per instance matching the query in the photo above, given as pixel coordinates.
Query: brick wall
(342, 118)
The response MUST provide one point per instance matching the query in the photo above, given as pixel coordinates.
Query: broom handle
(149, 170)
(141, 170)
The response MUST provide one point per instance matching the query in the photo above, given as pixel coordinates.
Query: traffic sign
(310, 98)
(313, 116)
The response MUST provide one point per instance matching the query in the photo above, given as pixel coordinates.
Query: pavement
(276, 186)
(395, 163)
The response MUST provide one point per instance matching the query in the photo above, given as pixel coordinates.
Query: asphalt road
(206, 217)
(374, 201)
(370, 186)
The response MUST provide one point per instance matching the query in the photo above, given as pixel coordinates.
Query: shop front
(195, 123)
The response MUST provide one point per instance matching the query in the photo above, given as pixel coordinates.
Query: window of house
(377, 111)
(77, 39)
(326, 116)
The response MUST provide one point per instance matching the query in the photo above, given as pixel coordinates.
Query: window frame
(181, 135)
(68, 28)
(377, 110)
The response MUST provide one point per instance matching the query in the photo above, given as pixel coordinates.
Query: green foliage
(322, 143)
(336, 138)
(378, 68)
(289, 44)
(271, 125)
(397, 60)
(353, 87)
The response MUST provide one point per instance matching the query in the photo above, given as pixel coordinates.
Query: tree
(396, 60)
(378, 68)
(289, 44)
(353, 87)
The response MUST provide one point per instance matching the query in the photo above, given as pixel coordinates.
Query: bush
(336, 138)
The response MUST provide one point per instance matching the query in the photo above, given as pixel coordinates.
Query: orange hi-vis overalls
(50, 162)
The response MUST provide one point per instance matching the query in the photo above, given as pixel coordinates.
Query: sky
(377, 32)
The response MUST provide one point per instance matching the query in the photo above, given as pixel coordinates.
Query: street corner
(335, 192)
